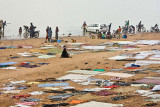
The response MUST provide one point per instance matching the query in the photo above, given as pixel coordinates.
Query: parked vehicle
(26, 34)
(154, 29)
(97, 28)
(143, 29)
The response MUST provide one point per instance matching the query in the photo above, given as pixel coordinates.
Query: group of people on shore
(108, 35)
(49, 34)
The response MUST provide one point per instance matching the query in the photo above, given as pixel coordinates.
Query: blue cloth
(31, 100)
(133, 65)
(53, 84)
(8, 63)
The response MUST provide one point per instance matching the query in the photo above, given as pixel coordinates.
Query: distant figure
(156, 26)
(57, 30)
(50, 34)
(99, 35)
(109, 33)
(64, 53)
(84, 27)
(47, 29)
(3, 27)
(139, 27)
(31, 30)
(4, 24)
(127, 25)
(20, 31)
(119, 33)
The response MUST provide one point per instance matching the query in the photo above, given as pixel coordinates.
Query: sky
(69, 15)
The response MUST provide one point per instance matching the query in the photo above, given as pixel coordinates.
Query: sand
(58, 67)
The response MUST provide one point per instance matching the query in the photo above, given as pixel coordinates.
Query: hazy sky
(70, 14)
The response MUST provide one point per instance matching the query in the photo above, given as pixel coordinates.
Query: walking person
(119, 33)
(57, 30)
(20, 31)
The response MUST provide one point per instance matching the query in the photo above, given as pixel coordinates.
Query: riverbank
(57, 67)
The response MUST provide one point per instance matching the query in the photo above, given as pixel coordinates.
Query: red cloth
(21, 96)
(112, 86)
(132, 68)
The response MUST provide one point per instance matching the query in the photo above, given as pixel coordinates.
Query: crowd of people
(127, 28)
(120, 32)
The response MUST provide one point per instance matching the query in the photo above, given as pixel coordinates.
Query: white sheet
(97, 104)
(94, 47)
(123, 75)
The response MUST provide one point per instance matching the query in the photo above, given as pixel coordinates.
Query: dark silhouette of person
(31, 30)
(64, 53)
(109, 33)
(57, 30)
(139, 27)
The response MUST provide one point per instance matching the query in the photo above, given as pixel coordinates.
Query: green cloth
(100, 70)
(103, 35)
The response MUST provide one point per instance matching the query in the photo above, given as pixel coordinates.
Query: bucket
(59, 41)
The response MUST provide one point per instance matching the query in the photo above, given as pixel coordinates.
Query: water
(69, 15)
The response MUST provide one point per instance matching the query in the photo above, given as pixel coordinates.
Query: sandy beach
(57, 67)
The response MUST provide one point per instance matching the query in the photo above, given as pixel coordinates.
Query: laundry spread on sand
(116, 74)
(97, 104)
(94, 47)
(123, 75)
(75, 77)
(148, 42)
(83, 72)
(7, 63)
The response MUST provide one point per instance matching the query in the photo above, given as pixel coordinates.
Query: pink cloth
(27, 103)
(147, 81)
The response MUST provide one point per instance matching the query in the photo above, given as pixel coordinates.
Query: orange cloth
(77, 101)
(119, 29)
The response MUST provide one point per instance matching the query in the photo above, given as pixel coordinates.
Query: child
(73, 41)
(92, 36)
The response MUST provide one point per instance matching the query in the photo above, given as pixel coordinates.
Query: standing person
(84, 26)
(119, 33)
(3, 26)
(20, 31)
(139, 27)
(57, 30)
(49, 34)
(31, 30)
(109, 33)
(47, 29)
